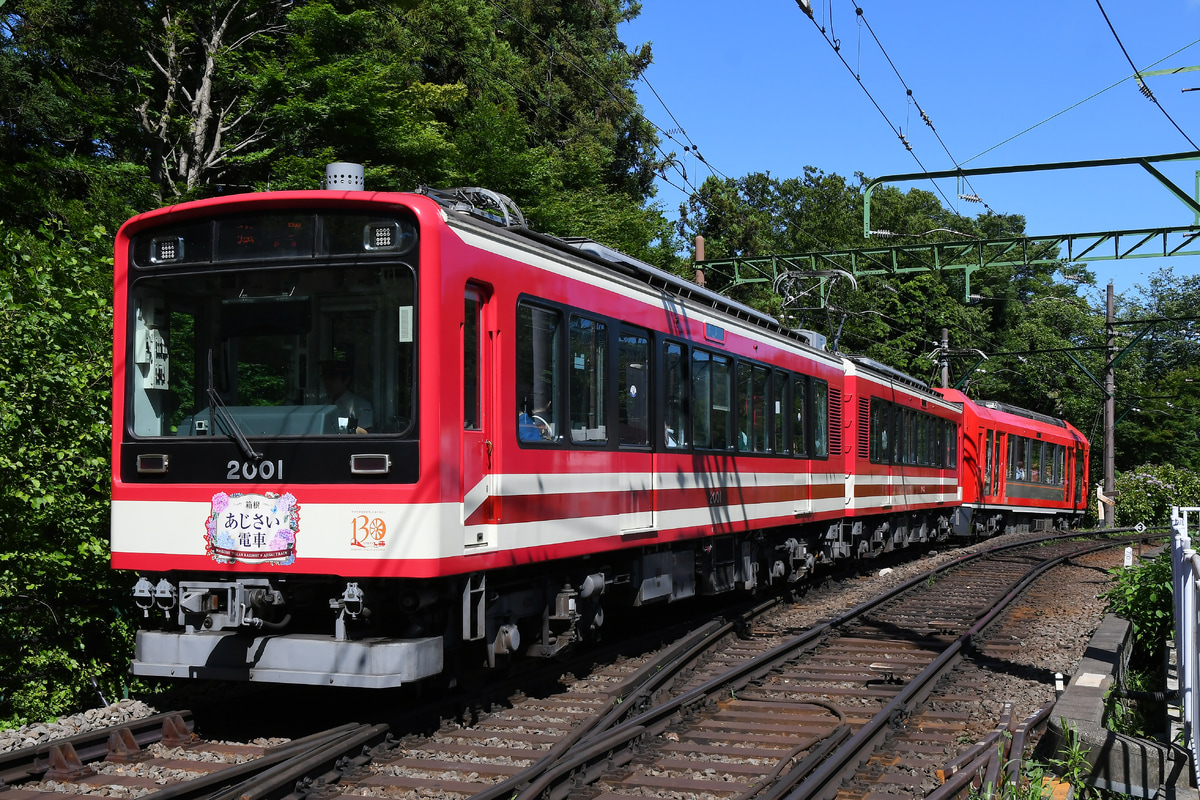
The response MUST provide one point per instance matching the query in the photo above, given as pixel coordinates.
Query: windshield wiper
(217, 410)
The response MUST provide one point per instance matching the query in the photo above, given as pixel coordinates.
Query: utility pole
(1108, 519)
(944, 358)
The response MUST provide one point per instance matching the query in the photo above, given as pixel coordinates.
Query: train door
(634, 403)
(480, 513)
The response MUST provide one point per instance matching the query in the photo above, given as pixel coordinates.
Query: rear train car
(1022, 471)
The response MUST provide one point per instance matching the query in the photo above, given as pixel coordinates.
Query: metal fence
(1186, 575)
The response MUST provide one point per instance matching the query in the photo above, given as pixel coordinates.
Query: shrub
(59, 630)
(1146, 493)
(1143, 594)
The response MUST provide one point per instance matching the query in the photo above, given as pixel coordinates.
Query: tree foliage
(56, 597)
(1143, 595)
(1146, 493)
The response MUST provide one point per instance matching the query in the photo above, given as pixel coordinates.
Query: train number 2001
(248, 471)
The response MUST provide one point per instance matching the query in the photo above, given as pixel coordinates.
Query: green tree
(56, 592)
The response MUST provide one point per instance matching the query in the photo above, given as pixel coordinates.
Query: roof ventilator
(344, 177)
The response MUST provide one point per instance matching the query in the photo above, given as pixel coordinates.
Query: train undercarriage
(377, 633)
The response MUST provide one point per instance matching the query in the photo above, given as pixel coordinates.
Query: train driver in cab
(354, 411)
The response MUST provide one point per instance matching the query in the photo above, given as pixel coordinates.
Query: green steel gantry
(971, 255)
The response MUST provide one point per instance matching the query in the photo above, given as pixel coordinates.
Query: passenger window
(778, 415)
(879, 430)
(799, 415)
(987, 469)
(539, 342)
(675, 387)
(471, 421)
(633, 388)
(722, 413)
(745, 401)
(588, 385)
(820, 419)
(710, 400)
(752, 407)
(760, 378)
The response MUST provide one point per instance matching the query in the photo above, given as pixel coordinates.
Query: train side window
(471, 421)
(879, 430)
(922, 425)
(761, 380)
(896, 426)
(800, 415)
(820, 419)
(745, 404)
(952, 445)
(1035, 462)
(722, 411)
(633, 388)
(987, 463)
(701, 399)
(910, 437)
(588, 383)
(996, 474)
(937, 442)
(675, 388)
(711, 412)
(752, 407)
(1060, 458)
(539, 343)
(779, 383)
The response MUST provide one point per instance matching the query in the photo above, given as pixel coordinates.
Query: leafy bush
(58, 627)
(1143, 594)
(1146, 493)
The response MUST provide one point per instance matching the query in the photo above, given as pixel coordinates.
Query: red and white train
(365, 438)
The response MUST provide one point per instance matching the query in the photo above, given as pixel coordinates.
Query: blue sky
(756, 87)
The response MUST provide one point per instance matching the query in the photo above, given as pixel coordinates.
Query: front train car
(265, 367)
(362, 439)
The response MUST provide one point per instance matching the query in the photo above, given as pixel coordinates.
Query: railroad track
(856, 704)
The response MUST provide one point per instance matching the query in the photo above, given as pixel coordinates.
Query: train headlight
(166, 249)
(397, 236)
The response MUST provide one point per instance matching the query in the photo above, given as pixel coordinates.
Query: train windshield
(313, 351)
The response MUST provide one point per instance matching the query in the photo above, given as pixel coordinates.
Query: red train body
(363, 438)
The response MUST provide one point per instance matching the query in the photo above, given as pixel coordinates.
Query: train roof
(890, 372)
(483, 205)
(996, 405)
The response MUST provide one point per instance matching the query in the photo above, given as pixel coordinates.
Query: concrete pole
(1110, 409)
(699, 258)
(944, 359)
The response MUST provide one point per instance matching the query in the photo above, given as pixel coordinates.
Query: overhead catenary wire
(858, 79)
(1144, 88)
(1076, 105)
(912, 98)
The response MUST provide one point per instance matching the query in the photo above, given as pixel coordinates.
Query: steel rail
(317, 759)
(28, 763)
(630, 699)
(601, 751)
(828, 776)
(213, 782)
